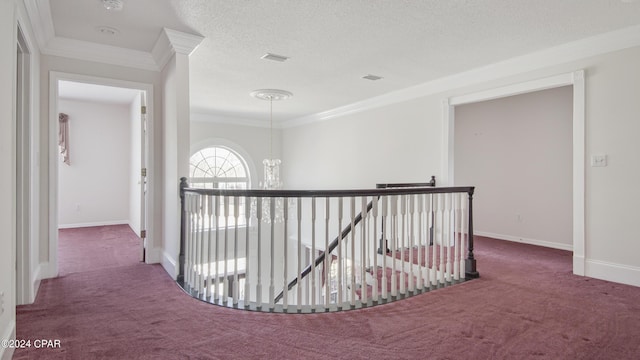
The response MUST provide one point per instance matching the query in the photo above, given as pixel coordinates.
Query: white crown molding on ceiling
(573, 51)
(172, 41)
(168, 43)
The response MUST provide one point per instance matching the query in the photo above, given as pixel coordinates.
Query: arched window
(218, 167)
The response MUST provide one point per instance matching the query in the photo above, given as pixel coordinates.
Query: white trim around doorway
(50, 269)
(576, 79)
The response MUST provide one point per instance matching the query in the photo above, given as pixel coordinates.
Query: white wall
(396, 143)
(8, 175)
(402, 142)
(135, 161)
(94, 189)
(517, 151)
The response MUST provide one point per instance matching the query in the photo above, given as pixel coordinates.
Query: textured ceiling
(333, 43)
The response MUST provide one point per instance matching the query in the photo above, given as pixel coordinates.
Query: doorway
(106, 177)
(574, 79)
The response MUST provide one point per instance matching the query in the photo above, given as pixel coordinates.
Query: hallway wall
(94, 189)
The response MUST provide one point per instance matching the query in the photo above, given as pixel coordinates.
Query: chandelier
(271, 166)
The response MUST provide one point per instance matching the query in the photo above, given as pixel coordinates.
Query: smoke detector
(113, 5)
(106, 30)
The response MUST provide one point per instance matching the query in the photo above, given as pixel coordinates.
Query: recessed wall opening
(575, 81)
(516, 150)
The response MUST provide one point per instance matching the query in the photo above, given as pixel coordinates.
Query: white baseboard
(154, 255)
(8, 333)
(47, 271)
(619, 273)
(170, 265)
(578, 265)
(90, 224)
(549, 244)
(35, 284)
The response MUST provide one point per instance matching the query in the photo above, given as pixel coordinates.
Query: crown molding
(89, 51)
(39, 13)
(174, 42)
(168, 43)
(573, 51)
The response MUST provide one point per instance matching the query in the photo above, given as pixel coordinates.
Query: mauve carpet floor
(526, 305)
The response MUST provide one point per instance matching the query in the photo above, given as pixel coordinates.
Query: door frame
(575, 79)
(26, 182)
(51, 269)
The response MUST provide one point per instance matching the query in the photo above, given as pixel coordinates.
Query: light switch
(598, 160)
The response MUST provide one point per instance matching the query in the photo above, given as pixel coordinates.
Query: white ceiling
(333, 43)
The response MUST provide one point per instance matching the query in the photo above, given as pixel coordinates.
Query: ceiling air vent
(372, 77)
(274, 57)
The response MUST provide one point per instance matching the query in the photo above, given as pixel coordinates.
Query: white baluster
(394, 245)
(340, 281)
(236, 215)
(194, 242)
(216, 289)
(411, 209)
(450, 233)
(456, 236)
(200, 245)
(285, 286)
(363, 251)
(207, 290)
(383, 245)
(272, 212)
(247, 254)
(374, 251)
(353, 251)
(327, 257)
(433, 231)
(441, 215)
(259, 301)
(403, 235)
(299, 287)
(313, 254)
(421, 242)
(225, 281)
(187, 240)
(463, 232)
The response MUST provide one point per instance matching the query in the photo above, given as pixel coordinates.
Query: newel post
(183, 229)
(470, 263)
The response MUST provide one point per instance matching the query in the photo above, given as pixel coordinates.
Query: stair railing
(232, 253)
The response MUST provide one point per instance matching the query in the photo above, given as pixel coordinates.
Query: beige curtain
(63, 137)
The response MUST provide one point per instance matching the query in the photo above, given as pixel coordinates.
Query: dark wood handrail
(331, 193)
